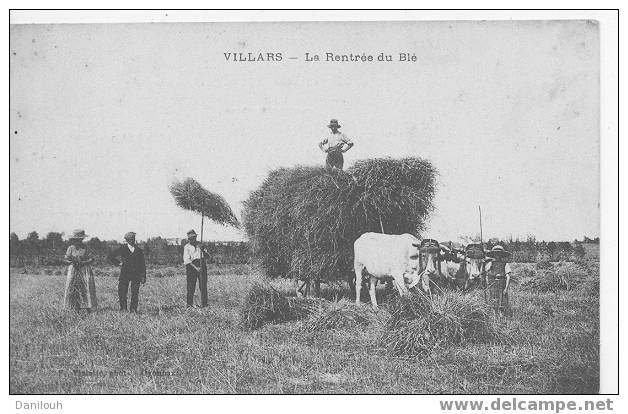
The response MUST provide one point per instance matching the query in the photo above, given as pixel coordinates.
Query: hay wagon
(312, 287)
(302, 221)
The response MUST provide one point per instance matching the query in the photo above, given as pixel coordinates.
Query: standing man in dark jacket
(132, 270)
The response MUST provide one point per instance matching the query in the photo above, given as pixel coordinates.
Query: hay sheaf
(562, 276)
(547, 281)
(302, 221)
(419, 325)
(190, 195)
(263, 305)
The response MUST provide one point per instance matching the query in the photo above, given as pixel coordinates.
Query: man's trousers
(192, 274)
(123, 289)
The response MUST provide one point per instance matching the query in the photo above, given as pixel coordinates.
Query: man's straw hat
(333, 123)
(498, 251)
(78, 234)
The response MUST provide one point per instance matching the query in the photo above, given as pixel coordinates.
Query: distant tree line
(50, 250)
(160, 251)
(531, 250)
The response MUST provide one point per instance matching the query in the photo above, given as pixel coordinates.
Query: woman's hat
(191, 233)
(78, 234)
(333, 123)
(498, 251)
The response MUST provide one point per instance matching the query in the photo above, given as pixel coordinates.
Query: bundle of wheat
(190, 195)
(264, 304)
(302, 221)
(548, 281)
(420, 324)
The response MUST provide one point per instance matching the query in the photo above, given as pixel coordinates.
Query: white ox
(386, 256)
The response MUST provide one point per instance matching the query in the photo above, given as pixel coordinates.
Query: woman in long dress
(80, 288)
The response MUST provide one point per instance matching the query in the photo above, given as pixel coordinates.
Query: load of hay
(302, 221)
(264, 304)
(418, 324)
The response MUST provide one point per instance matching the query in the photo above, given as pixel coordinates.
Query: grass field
(168, 349)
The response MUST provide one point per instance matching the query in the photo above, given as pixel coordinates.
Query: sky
(104, 117)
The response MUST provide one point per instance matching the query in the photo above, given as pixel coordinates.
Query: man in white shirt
(335, 145)
(194, 269)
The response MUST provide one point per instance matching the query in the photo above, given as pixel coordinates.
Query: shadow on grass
(335, 292)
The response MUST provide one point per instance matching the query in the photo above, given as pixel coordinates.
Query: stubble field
(553, 346)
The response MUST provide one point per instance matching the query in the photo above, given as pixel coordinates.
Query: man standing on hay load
(498, 273)
(193, 261)
(335, 145)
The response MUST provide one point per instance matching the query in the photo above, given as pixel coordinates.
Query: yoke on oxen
(473, 264)
(430, 262)
(474, 251)
(462, 268)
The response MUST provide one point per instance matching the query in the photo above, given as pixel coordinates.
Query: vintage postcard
(306, 207)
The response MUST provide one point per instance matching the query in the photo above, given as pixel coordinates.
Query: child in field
(498, 273)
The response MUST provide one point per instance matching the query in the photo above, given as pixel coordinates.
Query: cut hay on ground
(548, 281)
(561, 276)
(263, 305)
(419, 324)
(302, 221)
(343, 315)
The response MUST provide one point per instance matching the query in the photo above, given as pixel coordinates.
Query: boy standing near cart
(498, 272)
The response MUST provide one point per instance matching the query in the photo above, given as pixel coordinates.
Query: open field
(554, 346)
